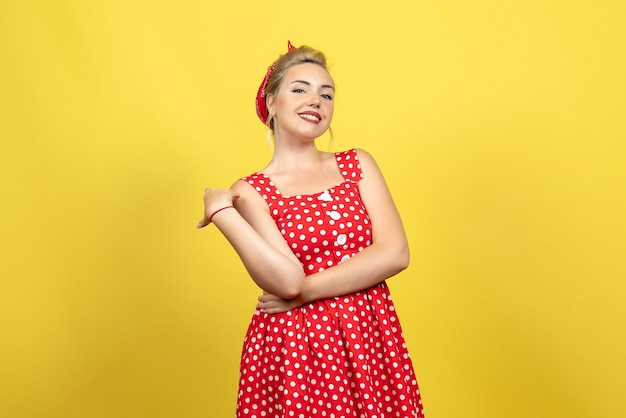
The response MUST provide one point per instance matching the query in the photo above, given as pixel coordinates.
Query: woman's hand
(214, 200)
(272, 304)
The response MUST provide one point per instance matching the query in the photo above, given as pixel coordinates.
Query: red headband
(261, 106)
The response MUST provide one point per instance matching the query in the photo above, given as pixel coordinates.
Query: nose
(314, 100)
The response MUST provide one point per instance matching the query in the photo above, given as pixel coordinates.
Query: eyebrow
(328, 86)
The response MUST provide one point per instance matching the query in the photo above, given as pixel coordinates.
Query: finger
(273, 311)
(204, 222)
(266, 297)
(264, 306)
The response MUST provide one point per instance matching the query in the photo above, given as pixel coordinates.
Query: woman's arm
(253, 234)
(386, 256)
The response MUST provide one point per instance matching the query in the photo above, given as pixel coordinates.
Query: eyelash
(325, 96)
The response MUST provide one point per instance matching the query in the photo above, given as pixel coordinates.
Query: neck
(294, 154)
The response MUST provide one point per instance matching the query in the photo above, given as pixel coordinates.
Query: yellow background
(500, 127)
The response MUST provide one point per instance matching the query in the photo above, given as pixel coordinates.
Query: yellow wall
(501, 130)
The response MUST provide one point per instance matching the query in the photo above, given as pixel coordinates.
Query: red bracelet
(219, 210)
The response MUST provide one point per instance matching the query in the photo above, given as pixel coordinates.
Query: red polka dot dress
(338, 357)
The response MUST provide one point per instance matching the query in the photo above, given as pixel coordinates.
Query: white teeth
(310, 117)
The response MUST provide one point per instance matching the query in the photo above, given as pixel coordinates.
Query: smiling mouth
(311, 117)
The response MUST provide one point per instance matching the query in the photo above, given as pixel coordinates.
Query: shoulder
(250, 191)
(366, 162)
(356, 164)
(256, 185)
(363, 155)
(248, 182)
(356, 154)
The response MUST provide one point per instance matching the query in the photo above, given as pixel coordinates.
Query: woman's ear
(270, 104)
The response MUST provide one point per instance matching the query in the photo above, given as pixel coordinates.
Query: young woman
(319, 234)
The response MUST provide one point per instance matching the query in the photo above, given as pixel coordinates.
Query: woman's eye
(327, 96)
(297, 91)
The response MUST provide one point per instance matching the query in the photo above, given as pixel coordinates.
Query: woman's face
(304, 104)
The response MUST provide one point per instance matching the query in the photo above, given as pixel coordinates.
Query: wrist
(303, 297)
(215, 212)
